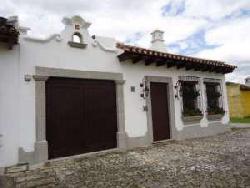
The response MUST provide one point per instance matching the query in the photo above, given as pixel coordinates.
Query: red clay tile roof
(137, 53)
(244, 87)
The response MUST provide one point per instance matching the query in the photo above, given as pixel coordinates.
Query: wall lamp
(145, 89)
(177, 89)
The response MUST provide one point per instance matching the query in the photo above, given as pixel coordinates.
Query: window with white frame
(189, 90)
(214, 98)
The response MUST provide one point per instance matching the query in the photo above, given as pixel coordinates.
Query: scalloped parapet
(76, 20)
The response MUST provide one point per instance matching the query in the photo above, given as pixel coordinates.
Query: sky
(214, 29)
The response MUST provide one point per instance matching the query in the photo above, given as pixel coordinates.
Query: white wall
(9, 99)
(17, 97)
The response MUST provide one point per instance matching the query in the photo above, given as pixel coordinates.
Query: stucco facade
(54, 56)
(239, 100)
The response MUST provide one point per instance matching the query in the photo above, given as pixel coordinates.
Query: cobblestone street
(219, 161)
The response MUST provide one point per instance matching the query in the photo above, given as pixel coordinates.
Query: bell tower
(76, 31)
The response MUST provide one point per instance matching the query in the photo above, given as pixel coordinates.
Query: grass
(240, 120)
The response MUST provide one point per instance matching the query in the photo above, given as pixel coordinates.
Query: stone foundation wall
(196, 131)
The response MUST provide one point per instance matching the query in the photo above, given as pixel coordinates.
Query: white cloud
(122, 19)
(234, 40)
(117, 18)
(214, 9)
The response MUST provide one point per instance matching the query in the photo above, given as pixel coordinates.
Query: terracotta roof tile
(143, 51)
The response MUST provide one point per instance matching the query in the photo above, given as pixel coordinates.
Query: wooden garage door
(160, 112)
(80, 116)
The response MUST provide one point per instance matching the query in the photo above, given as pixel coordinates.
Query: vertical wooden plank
(81, 116)
(160, 111)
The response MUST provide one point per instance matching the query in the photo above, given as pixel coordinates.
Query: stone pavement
(218, 161)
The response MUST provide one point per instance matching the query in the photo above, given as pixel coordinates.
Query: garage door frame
(42, 74)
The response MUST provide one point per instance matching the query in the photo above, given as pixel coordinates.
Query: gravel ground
(219, 161)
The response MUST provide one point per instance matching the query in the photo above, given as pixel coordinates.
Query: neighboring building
(73, 93)
(247, 80)
(239, 99)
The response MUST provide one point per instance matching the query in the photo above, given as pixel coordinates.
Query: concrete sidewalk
(240, 125)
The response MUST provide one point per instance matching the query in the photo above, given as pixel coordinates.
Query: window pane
(189, 98)
(212, 97)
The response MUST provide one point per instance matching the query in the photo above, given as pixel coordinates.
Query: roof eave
(136, 54)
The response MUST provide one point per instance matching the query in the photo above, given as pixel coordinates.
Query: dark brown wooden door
(160, 112)
(80, 116)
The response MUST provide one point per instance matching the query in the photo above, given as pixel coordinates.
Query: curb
(240, 125)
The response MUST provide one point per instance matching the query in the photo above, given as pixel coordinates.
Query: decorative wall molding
(56, 37)
(77, 45)
(189, 78)
(211, 80)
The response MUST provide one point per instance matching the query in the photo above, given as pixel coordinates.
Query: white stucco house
(73, 93)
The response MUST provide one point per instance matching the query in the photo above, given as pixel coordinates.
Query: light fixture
(145, 89)
(177, 89)
(27, 78)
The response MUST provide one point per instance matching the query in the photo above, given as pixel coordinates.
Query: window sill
(215, 117)
(191, 119)
(77, 45)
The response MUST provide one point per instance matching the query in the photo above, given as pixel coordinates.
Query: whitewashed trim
(219, 89)
(189, 78)
(198, 102)
(56, 37)
(212, 80)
